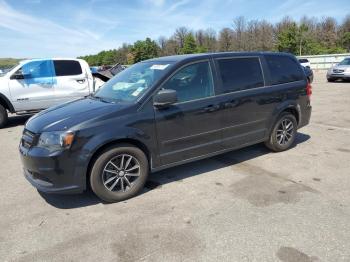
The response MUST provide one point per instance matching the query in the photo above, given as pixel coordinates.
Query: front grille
(29, 139)
(338, 71)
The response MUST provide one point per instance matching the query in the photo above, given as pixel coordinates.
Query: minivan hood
(69, 115)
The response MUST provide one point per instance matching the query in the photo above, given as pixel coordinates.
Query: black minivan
(161, 113)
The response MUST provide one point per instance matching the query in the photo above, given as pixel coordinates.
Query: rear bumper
(55, 173)
(305, 116)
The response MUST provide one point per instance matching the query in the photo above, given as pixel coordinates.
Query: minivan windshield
(134, 81)
(346, 61)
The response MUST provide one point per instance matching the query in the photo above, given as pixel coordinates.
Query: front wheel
(3, 116)
(283, 134)
(119, 173)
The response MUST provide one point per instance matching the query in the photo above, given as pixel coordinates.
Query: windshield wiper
(102, 99)
(106, 100)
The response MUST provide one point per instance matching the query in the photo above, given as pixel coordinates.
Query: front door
(35, 91)
(191, 127)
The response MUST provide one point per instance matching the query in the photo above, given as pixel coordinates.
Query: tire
(330, 79)
(3, 116)
(282, 140)
(108, 185)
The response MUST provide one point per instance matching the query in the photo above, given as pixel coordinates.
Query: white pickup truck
(37, 84)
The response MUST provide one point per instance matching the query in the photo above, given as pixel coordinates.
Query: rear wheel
(3, 116)
(283, 134)
(119, 173)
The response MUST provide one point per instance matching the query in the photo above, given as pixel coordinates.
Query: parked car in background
(36, 84)
(340, 71)
(309, 74)
(106, 72)
(165, 112)
(304, 62)
(102, 74)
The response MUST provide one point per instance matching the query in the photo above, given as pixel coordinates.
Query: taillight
(308, 89)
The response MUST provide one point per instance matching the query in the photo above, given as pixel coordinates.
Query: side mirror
(165, 98)
(19, 76)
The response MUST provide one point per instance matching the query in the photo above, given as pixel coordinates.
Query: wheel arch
(294, 112)
(6, 103)
(290, 107)
(100, 149)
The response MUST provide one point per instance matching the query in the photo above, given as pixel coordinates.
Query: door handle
(211, 108)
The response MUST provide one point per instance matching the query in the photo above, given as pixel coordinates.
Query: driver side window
(36, 69)
(192, 82)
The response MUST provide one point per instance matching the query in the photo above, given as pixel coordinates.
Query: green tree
(143, 50)
(346, 41)
(302, 30)
(201, 49)
(287, 40)
(130, 59)
(109, 57)
(190, 45)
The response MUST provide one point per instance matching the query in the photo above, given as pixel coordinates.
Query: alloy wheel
(284, 132)
(121, 173)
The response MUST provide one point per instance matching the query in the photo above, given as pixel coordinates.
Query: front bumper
(52, 173)
(331, 75)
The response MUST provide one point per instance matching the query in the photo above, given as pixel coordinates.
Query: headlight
(56, 140)
(347, 70)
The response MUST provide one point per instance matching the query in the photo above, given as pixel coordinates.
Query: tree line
(8, 62)
(308, 36)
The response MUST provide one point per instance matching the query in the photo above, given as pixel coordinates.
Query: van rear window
(67, 67)
(283, 69)
(240, 73)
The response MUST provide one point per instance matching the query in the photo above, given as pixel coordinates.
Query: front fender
(7, 103)
(93, 141)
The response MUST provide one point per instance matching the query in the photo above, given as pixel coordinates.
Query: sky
(63, 28)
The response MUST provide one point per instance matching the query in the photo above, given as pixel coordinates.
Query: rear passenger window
(283, 69)
(240, 73)
(67, 68)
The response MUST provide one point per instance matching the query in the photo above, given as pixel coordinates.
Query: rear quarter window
(283, 69)
(67, 67)
(240, 73)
